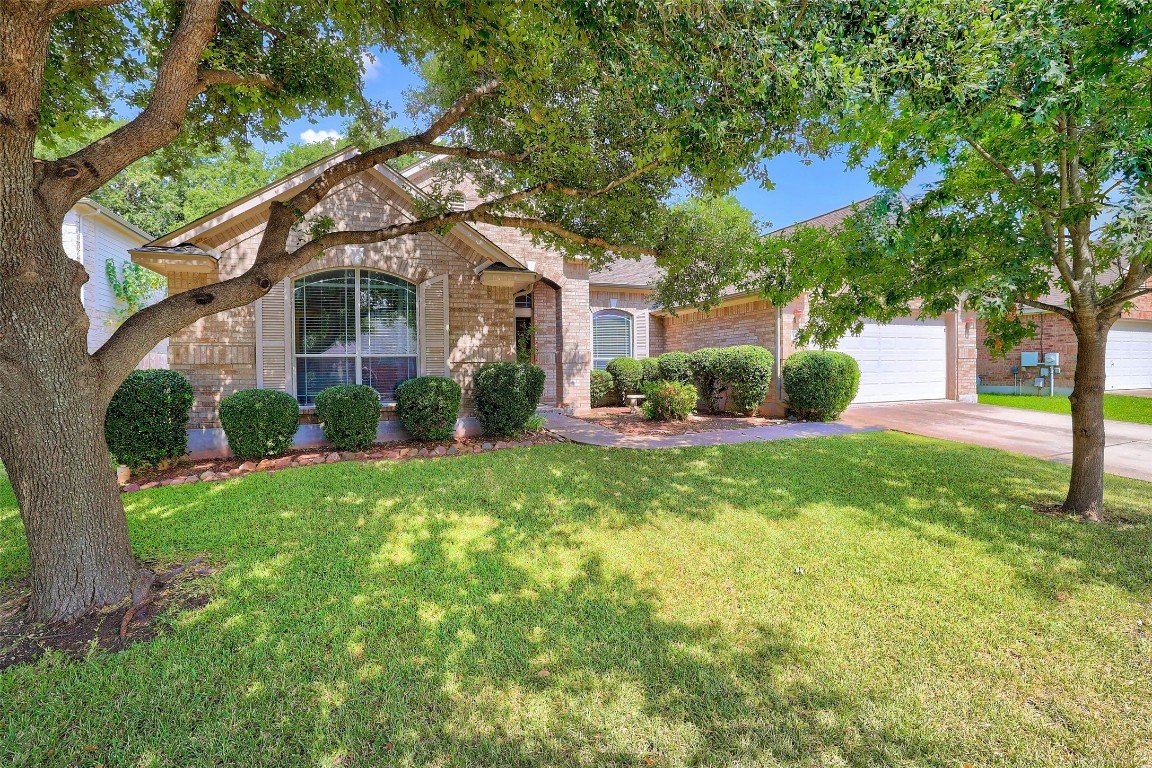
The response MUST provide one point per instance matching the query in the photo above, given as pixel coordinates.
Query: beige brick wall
(218, 353)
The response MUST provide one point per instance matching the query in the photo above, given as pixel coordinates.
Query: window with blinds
(353, 326)
(611, 337)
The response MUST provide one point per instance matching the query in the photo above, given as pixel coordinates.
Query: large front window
(353, 326)
(611, 336)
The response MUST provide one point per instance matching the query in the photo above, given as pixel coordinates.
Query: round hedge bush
(349, 414)
(651, 369)
(820, 384)
(627, 374)
(602, 389)
(746, 372)
(146, 423)
(703, 364)
(675, 366)
(428, 407)
(259, 422)
(505, 396)
(669, 400)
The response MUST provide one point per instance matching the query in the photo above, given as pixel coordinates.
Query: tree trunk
(52, 409)
(1086, 489)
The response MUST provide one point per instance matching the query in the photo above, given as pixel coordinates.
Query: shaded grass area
(1116, 407)
(876, 599)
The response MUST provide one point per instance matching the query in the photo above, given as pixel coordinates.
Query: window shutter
(641, 326)
(434, 326)
(271, 339)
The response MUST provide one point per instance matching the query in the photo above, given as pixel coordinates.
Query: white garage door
(1129, 359)
(903, 360)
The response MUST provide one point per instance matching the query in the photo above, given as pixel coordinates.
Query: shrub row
(819, 384)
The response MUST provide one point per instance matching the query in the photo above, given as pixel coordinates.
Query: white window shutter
(641, 329)
(434, 326)
(272, 339)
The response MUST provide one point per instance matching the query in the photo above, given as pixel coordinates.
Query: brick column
(575, 323)
(547, 339)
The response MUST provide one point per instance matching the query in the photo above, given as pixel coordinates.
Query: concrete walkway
(581, 431)
(1127, 452)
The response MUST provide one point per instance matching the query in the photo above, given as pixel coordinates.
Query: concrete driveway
(1127, 452)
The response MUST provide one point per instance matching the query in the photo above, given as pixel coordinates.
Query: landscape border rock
(213, 471)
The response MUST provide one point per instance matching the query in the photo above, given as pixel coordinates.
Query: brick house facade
(473, 288)
(1054, 334)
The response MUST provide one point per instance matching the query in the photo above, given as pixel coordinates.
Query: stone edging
(333, 457)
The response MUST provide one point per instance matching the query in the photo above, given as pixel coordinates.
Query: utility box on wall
(1051, 358)
(1029, 359)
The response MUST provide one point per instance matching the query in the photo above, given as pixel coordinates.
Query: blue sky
(801, 191)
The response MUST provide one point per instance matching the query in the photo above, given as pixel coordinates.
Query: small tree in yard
(1037, 115)
(578, 120)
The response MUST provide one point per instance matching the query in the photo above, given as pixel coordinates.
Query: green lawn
(568, 605)
(1117, 407)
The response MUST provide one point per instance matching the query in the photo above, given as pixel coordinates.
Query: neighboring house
(1128, 358)
(93, 234)
(445, 304)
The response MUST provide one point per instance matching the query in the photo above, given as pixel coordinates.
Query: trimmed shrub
(675, 366)
(259, 422)
(627, 374)
(428, 407)
(349, 414)
(505, 396)
(746, 372)
(651, 371)
(602, 389)
(147, 420)
(669, 400)
(820, 384)
(702, 363)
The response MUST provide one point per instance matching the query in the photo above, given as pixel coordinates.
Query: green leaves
(133, 286)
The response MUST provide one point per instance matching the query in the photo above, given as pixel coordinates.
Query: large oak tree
(581, 118)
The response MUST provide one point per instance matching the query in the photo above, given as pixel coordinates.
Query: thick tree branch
(242, 12)
(477, 154)
(307, 198)
(540, 225)
(1063, 311)
(178, 81)
(79, 5)
(488, 212)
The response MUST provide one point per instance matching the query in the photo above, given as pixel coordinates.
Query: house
(1128, 358)
(443, 304)
(94, 235)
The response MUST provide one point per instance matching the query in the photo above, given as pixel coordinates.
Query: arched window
(611, 336)
(353, 326)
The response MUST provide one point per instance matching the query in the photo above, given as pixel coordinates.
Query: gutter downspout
(777, 353)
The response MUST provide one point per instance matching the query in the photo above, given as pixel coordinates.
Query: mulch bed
(210, 470)
(112, 629)
(634, 424)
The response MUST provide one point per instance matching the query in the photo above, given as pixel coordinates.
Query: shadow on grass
(453, 613)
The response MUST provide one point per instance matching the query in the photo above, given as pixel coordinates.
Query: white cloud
(371, 65)
(312, 136)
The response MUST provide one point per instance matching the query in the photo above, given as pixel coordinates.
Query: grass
(1116, 407)
(868, 600)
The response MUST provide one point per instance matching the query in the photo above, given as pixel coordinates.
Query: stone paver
(1127, 451)
(581, 431)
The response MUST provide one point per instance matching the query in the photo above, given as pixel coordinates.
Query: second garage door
(902, 360)
(1129, 358)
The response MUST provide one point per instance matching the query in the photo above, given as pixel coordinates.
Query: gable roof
(114, 217)
(182, 242)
